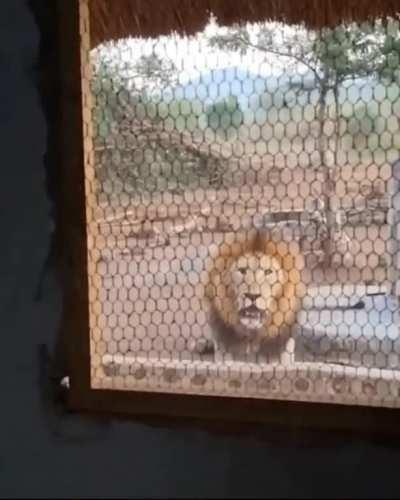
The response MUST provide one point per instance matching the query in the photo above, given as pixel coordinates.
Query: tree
(224, 115)
(332, 56)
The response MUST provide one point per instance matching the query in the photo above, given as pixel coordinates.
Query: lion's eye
(242, 270)
(267, 272)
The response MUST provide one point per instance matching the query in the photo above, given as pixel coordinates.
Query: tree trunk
(328, 181)
(337, 123)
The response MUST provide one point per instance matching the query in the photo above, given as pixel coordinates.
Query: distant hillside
(220, 83)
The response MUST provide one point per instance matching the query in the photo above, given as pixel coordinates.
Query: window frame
(233, 412)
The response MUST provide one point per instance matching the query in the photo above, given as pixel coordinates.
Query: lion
(254, 292)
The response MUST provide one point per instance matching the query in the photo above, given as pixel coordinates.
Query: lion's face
(254, 281)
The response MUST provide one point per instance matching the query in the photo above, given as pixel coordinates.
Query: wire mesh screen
(242, 187)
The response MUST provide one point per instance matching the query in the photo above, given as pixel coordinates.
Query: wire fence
(242, 200)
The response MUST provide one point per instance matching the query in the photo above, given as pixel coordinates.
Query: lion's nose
(252, 296)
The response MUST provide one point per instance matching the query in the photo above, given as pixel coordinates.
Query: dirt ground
(149, 258)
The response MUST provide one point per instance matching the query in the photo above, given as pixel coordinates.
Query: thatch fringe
(115, 19)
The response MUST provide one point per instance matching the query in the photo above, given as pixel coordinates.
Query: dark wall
(46, 454)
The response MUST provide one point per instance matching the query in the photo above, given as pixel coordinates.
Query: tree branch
(282, 54)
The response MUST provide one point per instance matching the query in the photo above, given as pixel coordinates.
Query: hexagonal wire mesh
(241, 200)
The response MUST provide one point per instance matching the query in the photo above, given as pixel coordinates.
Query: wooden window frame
(231, 412)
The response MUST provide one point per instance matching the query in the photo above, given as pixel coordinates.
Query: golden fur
(255, 293)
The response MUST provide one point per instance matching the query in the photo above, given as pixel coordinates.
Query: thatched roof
(114, 19)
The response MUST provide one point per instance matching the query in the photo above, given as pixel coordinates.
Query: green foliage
(390, 66)
(346, 51)
(223, 116)
(355, 51)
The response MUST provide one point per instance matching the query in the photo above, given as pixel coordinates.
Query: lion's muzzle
(252, 319)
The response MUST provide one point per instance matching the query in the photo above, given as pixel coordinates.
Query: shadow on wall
(53, 366)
